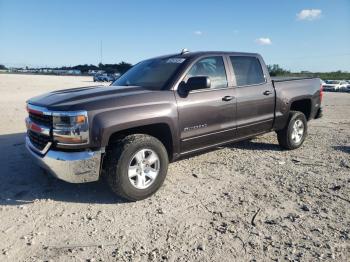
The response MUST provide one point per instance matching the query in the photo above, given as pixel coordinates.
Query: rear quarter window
(247, 70)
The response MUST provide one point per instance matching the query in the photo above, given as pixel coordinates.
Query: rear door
(207, 116)
(255, 95)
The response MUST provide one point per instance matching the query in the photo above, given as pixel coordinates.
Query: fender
(288, 92)
(106, 123)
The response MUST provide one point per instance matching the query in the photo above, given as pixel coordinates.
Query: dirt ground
(242, 202)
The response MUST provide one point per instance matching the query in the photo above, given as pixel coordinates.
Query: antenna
(101, 52)
(184, 51)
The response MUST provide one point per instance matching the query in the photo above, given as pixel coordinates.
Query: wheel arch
(303, 105)
(161, 131)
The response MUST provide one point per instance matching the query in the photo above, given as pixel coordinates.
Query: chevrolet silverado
(161, 110)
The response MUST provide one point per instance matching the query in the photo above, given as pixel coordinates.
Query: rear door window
(247, 70)
(212, 67)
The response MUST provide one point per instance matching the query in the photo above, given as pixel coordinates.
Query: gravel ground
(246, 201)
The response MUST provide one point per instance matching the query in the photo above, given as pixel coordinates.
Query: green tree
(122, 67)
(276, 70)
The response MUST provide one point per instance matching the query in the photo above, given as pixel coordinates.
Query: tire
(122, 160)
(286, 138)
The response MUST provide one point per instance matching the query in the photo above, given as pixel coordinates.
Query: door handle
(267, 92)
(227, 98)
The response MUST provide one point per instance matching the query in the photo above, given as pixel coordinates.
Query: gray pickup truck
(161, 110)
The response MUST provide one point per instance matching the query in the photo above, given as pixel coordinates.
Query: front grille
(38, 140)
(44, 120)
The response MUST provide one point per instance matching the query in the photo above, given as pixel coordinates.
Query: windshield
(153, 73)
(332, 82)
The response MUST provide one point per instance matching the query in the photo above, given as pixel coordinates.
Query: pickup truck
(161, 110)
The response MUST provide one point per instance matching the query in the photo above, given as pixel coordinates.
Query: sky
(312, 35)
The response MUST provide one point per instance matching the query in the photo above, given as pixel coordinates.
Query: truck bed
(290, 89)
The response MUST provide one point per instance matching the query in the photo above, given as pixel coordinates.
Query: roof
(205, 53)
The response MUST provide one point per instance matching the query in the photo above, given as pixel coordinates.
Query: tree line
(121, 67)
(276, 70)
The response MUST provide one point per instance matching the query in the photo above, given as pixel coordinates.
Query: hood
(84, 98)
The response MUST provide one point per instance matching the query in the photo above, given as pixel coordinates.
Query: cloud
(263, 41)
(198, 32)
(309, 14)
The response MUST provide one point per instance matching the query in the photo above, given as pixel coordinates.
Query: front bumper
(73, 167)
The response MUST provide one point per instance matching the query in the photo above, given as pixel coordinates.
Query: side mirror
(198, 82)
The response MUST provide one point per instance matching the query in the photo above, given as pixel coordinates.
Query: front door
(207, 116)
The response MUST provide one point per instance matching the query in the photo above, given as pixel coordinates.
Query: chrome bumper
(73, 167)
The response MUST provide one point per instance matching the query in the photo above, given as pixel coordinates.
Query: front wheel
(136, 166)
(294, 134)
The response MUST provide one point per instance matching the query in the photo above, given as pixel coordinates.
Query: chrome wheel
(144, 168)
(298, 131)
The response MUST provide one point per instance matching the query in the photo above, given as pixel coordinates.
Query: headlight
(70, 128)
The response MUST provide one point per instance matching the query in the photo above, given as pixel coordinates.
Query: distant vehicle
(344, 86)
(101, 78)
(348, 86)
(74, 72)
(105, 77)
(115, 76)
(96, 77)
(92, 72)
(334, 85)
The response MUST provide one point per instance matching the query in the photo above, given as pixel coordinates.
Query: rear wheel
(294, 134)
(136, 166)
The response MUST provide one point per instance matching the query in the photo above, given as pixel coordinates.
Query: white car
(348, 87)
(334, 85)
